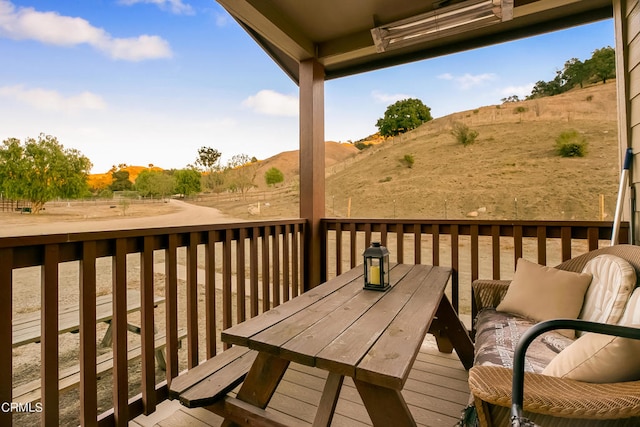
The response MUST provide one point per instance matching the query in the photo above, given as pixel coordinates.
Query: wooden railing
(214, 276)
(259, 265)
(472, 248)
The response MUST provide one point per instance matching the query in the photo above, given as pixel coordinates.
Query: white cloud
(51, 100)
(174, 6)
(272, 103)
(520, 91)
(222, 19)
(27, 23)
(388, 98)
(467, 81)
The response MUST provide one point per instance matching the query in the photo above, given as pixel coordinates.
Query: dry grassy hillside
(510, 172)
(100, 181)
(288, 163)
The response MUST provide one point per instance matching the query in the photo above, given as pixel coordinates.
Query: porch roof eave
(337, 34)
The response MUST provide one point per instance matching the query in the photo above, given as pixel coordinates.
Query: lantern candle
(374, 275)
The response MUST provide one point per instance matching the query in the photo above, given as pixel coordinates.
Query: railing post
(312, 168)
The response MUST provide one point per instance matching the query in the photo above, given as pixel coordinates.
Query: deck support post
(312, 169)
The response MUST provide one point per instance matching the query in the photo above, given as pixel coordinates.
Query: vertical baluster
(417, 244)
(192, 301)
(338, 248)
(495, 250)
(266, 301)
(383, 234)
(6, 296)
(435, 235)
(593, 238)
(88, 370)
(297, 286)
(241, 313)
(119, 333)
(565, 238)
(253, 270)
(367, 235)
(147, 326)
(275, 263)
(474, 252)
(286, 263)
(517, 243)
(226, 282)
(542, 244)
(210, 293)
(353, 245)
(455, 267)
(171, 306)
(399, 243)
(49, 334)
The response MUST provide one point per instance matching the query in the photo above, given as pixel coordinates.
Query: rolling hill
(511, 172)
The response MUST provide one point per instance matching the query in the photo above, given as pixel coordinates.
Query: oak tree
(40, 170)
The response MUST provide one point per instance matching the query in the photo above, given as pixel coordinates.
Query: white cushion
(601, 358)
(613, 281)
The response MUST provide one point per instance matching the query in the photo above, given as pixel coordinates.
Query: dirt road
(83, 217)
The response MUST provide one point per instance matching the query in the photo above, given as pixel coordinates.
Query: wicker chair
(550, 401)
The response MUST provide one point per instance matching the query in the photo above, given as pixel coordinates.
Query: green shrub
(571, 144)
(408, 160)
(273, 176)
(463, 134)
(361, 145)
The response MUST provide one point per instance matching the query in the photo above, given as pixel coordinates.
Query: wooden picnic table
(372, 337)
(27, 327)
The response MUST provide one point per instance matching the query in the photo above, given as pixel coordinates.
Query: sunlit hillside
(510, 172)
(103, 180)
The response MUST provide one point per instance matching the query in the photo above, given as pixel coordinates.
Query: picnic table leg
(329, 400)
(455, 331)
(108, 336)
(261, 382)
(385, 406)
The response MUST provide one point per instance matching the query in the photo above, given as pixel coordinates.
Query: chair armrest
(542, 327)
(489, 293)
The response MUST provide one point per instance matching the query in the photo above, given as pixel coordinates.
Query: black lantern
(376, 267)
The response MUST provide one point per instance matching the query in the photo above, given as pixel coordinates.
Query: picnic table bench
(27, 329)
(70, 377)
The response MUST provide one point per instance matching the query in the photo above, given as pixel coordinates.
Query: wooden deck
(436, 392)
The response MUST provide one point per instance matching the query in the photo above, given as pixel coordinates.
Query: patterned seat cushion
(498, 333)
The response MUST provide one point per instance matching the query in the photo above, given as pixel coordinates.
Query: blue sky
(151, 81)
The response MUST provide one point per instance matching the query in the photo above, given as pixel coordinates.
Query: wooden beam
(267, 19)
(312, 165)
